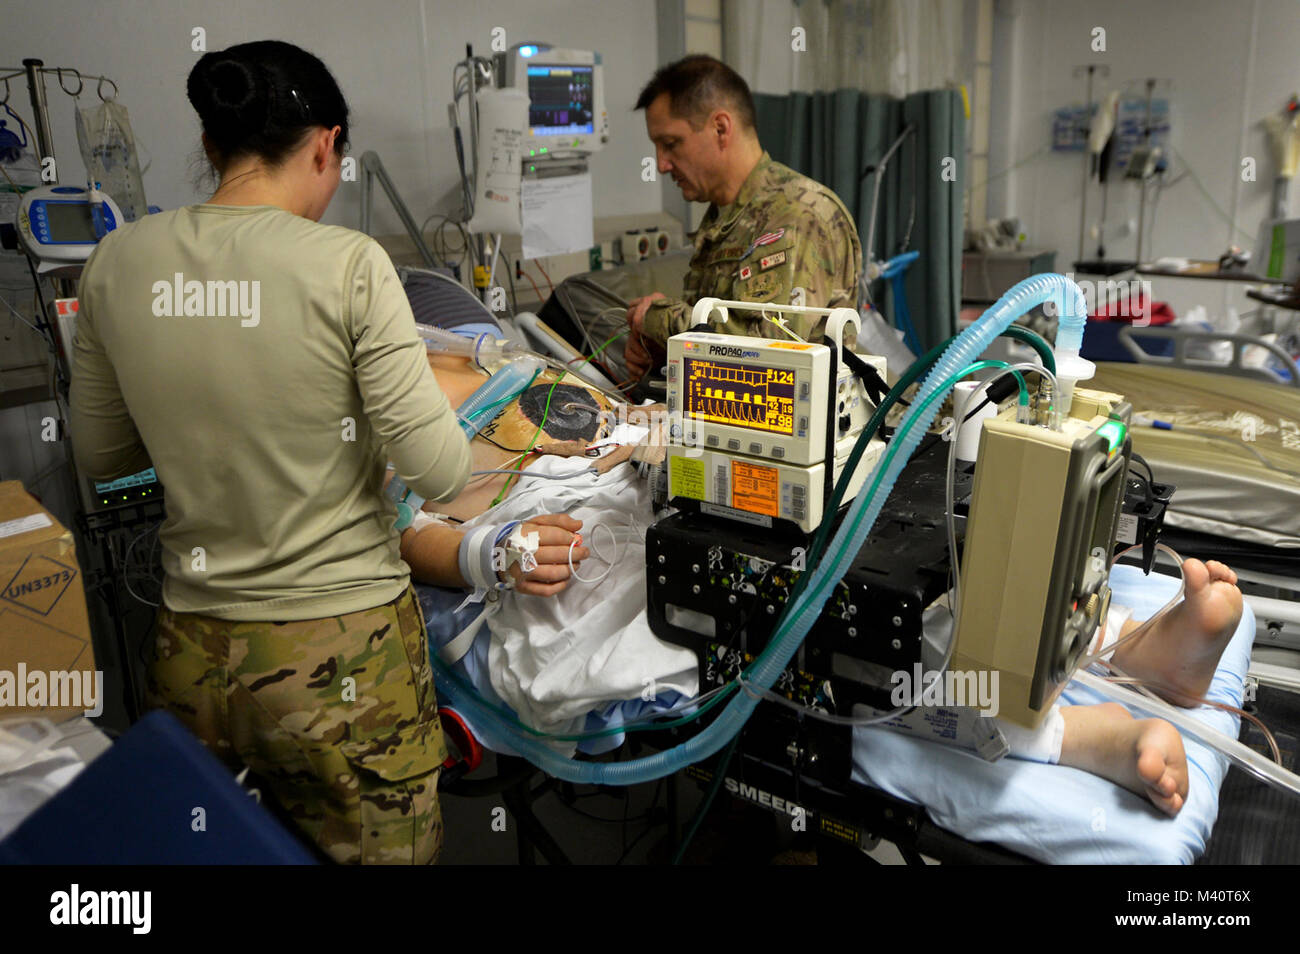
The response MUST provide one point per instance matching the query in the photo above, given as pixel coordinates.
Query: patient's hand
(556, 532)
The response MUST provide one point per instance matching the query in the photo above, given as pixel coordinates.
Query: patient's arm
(432, 553)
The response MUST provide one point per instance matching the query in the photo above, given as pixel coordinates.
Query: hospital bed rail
(1182, 337)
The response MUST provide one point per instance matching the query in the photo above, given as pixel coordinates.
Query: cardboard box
(46, 654)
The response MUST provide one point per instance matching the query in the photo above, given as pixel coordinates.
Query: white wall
(1230, 63)
(392, 58)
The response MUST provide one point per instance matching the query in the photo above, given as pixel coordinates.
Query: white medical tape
(1036, 745)
(1113, 631)
(522, 549)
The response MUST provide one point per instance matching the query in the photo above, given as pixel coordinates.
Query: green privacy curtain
(832, 137)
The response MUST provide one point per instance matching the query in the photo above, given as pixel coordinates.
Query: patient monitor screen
(70, 222)
(761, 399)
(560, 100)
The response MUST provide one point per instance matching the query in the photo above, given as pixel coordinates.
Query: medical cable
(1145, 627)
(719, 773)
(1139, 459)
(532, 443)
(538, 263)
(1243, 756)
(540, 297)
(596, 550)
(546, 413)
(17, 314)
(1199, 432)
(1145, 686)
(516, 473)
(1150, 622)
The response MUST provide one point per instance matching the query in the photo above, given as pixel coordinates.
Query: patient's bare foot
(1179, 655)
(1143, 755)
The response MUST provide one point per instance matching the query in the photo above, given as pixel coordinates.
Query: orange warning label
(754, 488)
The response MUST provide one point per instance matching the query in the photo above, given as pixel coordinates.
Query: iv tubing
(1244, 757)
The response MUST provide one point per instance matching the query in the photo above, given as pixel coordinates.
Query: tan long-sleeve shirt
(266, 366)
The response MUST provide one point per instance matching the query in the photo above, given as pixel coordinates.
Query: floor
(1259, 825)
(612, 826)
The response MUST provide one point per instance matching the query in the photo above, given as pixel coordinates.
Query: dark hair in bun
(262, 99)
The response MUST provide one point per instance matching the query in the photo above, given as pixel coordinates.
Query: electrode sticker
(686, 478)
(754, 488)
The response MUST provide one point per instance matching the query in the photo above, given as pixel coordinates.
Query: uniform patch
(745, 272)
(771, 261)
(765, 287)
(767, 238)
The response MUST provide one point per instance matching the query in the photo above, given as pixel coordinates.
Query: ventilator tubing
(842, 550)
(1245, 757)
(482, 348)
(508, 381)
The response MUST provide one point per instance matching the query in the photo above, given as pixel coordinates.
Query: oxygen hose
(802, 611)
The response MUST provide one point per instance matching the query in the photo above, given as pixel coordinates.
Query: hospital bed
(938, 801)
(1233, 452)
(933, 800)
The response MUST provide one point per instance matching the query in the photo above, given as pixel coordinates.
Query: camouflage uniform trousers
(337, 717)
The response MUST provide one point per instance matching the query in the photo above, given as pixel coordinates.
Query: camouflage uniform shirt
(784, 232)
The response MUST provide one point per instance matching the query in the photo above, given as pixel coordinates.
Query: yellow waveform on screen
(737, 395)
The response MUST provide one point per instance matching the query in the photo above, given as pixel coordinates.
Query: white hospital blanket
(553, 659)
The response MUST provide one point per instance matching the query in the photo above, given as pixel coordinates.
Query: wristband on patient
(485, 566)
(487, 554)
(478, 558)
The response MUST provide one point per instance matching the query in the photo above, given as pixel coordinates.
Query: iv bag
(502, 118)
(108, 150)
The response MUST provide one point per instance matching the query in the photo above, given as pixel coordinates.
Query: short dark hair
(698, 84)
(263, 98)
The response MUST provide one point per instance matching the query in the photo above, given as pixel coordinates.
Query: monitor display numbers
(560, 100)
(761, 399)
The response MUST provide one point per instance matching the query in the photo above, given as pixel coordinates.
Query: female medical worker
(266, 365)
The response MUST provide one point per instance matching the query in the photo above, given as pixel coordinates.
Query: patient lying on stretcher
(1177, 656)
